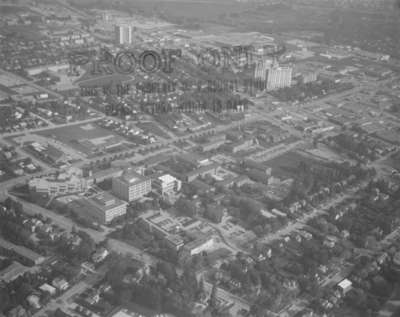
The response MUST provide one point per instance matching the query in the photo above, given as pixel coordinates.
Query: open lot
(286, 164)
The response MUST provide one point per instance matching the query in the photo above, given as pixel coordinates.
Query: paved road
(63, 301)
(59, 220)
(119, 247)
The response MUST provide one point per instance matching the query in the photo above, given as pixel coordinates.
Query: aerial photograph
(199, 158)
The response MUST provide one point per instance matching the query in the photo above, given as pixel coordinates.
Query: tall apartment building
(261, 69)
(123, 34)
(131, 186)
(166, 185)
(279, 77)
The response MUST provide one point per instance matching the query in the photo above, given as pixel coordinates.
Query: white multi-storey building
(279, 77)
(166, 185)
(58, 186)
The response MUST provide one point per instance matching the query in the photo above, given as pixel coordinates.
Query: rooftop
(132, 177)
(162, 220)
(126, 313)
(345, 284)
(167, 178)
(104, 201)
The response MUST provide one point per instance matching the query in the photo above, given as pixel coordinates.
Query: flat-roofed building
(48, 288)
(241, 145)
(166, 185)
(102, 175)
(102, 208)
(58, 186)
(345, 286)
(163, 226)
(131, 186)
(199, 245)
(211, 169)
(126, 313)
(213, 144)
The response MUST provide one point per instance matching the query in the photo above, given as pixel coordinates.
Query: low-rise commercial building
(242, 145)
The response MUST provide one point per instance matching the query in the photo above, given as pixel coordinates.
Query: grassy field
(287, 164)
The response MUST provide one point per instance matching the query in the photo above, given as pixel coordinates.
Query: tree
(86, 247)
(168, 270)
(189, 281)
(185, 207)
(213, 301)
(200, 289)
(5, 299)
(214, 213)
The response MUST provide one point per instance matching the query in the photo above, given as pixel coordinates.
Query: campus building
(199, 245)
(54, 186)
(105, 207)
(163, 226)
(131, 186)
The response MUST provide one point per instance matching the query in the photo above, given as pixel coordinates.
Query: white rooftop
(345, 284)
(167, 178)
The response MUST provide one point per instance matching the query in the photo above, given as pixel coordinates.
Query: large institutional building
(123, 34)
(102, 208)
(272, 75)
(131, 186)
(279, 77)
(54, 186)
(261, 69)
(163, 226)
(105, 207)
